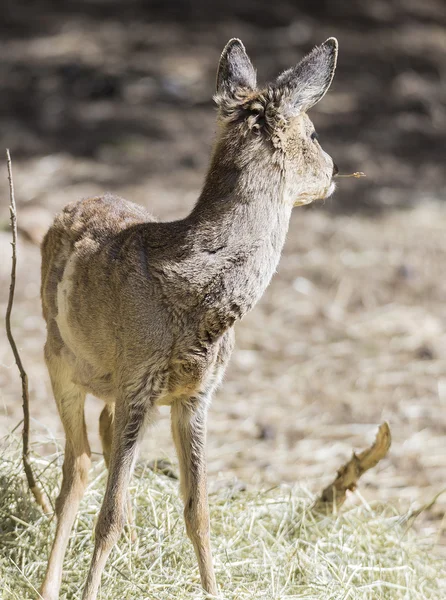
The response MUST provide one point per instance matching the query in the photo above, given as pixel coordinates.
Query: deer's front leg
(189, 434)
(130, 418)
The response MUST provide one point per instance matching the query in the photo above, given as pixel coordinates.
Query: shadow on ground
(130, 84)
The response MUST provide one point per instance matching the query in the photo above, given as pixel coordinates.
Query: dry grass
(267, 545)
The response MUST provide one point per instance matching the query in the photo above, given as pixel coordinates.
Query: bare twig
(348, 475)
(40, 498)
(413, 514)
(356, 175)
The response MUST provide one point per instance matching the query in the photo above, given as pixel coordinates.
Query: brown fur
(141, 313)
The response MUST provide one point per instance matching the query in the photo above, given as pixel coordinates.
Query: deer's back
(80, 231)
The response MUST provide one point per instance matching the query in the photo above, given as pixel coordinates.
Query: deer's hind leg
(106, 421)
(106, 426)
(70, 400)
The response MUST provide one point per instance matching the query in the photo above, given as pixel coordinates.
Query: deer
(141, 313)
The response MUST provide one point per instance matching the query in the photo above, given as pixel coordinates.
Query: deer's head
(268, 129)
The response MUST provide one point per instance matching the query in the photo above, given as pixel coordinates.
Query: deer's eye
(314, 136)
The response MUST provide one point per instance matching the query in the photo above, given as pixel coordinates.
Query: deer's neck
(237, 230)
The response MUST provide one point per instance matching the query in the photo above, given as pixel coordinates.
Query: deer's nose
(335, 169)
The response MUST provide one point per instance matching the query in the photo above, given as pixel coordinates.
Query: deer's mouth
(328, 191)
(331, 189)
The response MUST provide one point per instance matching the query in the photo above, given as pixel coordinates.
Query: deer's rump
(78, 273)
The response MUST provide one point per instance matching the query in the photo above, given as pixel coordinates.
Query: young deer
(141, 313)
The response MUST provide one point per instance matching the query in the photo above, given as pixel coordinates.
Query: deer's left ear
(235, 70)
(302, 86)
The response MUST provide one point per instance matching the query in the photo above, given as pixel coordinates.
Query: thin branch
(413, 514)
(40, 498)
(348, 475)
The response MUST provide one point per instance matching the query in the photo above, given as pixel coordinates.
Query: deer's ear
(302, 86)
(235, 70)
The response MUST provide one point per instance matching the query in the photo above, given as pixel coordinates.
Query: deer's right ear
(235, 70)
(301, 87)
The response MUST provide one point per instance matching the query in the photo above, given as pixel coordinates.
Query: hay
(267, 545)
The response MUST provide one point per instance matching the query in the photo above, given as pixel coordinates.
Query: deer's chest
(198, 371)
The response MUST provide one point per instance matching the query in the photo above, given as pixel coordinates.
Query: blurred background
(103, 95)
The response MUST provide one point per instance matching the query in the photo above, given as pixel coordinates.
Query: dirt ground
(352, 330)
